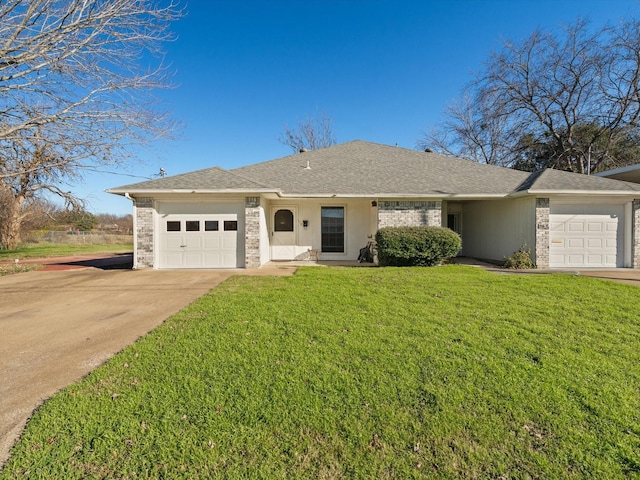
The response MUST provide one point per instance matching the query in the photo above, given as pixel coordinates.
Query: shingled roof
(361, 168)
(208, 179)
(364, 168)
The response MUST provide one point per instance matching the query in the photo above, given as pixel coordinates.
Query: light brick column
(144, 232)
(542, 232)
(409, 213)
(252, 232)
(635, 249)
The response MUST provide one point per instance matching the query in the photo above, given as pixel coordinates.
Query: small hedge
(416, 246)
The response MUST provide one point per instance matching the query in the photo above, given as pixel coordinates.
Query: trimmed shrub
(416, 246)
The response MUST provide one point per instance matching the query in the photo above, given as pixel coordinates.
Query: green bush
(416, 246)
(521, 259)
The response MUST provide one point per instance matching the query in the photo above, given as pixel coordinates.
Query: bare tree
(310, 134)
(76, 92)
(569, 101)
(471, 131)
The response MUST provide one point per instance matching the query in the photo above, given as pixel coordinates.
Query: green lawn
(372, 373)
(42, 250)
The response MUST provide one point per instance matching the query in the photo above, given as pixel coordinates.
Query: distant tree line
(41, 215)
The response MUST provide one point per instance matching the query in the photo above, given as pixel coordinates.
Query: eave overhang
(151, 192)
(599, 193)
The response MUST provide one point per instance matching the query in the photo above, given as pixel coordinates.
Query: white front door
(284, 235)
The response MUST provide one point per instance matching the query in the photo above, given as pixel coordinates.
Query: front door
(283, 233)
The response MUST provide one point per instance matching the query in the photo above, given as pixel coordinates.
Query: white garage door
(200, 240)
(586, 236)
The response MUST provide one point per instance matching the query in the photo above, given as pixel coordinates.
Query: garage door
(200, 240)
(586, 236)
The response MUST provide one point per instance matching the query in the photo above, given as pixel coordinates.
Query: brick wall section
(144, 232)
(635, 223)
(252, 232)
(542, 232)
(409, 213)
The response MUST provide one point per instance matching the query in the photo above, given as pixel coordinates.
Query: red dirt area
(104, 261)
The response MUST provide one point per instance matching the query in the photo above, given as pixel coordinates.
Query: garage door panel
(575, 259)
(212, 243)
(595, 260)
(192, 260)
(595, 243)
(173, 242)
(173, 258)
(193, 243)
(586, 235)
(229, 242)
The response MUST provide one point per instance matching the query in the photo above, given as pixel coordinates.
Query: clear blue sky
(383, 70)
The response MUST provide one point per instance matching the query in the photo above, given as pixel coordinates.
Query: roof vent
(308, 167)
(303, 149)
(428, 150)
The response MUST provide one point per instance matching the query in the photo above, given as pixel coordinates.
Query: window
(173, 226)
(230, 225)
(193, 226)
(283, 221)
(210, 225)
(332, 227)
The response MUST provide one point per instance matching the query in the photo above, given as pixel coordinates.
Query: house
(332, 201)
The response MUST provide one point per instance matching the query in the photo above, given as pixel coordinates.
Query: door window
(283, 221)
(230, 225)
(210, 225)
(193, 226)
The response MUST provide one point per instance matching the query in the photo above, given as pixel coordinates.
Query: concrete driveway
(57, 326)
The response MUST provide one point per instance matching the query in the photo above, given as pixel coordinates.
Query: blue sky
(383, 70)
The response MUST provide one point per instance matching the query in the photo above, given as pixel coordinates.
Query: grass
(11, 268)
(447, 372)
(43, 250)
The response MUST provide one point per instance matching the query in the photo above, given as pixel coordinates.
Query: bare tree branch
(310, 134)
(76, 89)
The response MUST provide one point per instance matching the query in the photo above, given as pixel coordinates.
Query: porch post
(144, 253)
(542, 233)
(252, 232)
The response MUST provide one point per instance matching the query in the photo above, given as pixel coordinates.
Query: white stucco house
(332, 201)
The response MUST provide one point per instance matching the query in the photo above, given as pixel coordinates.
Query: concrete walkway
(58, 325)
(630, 276)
